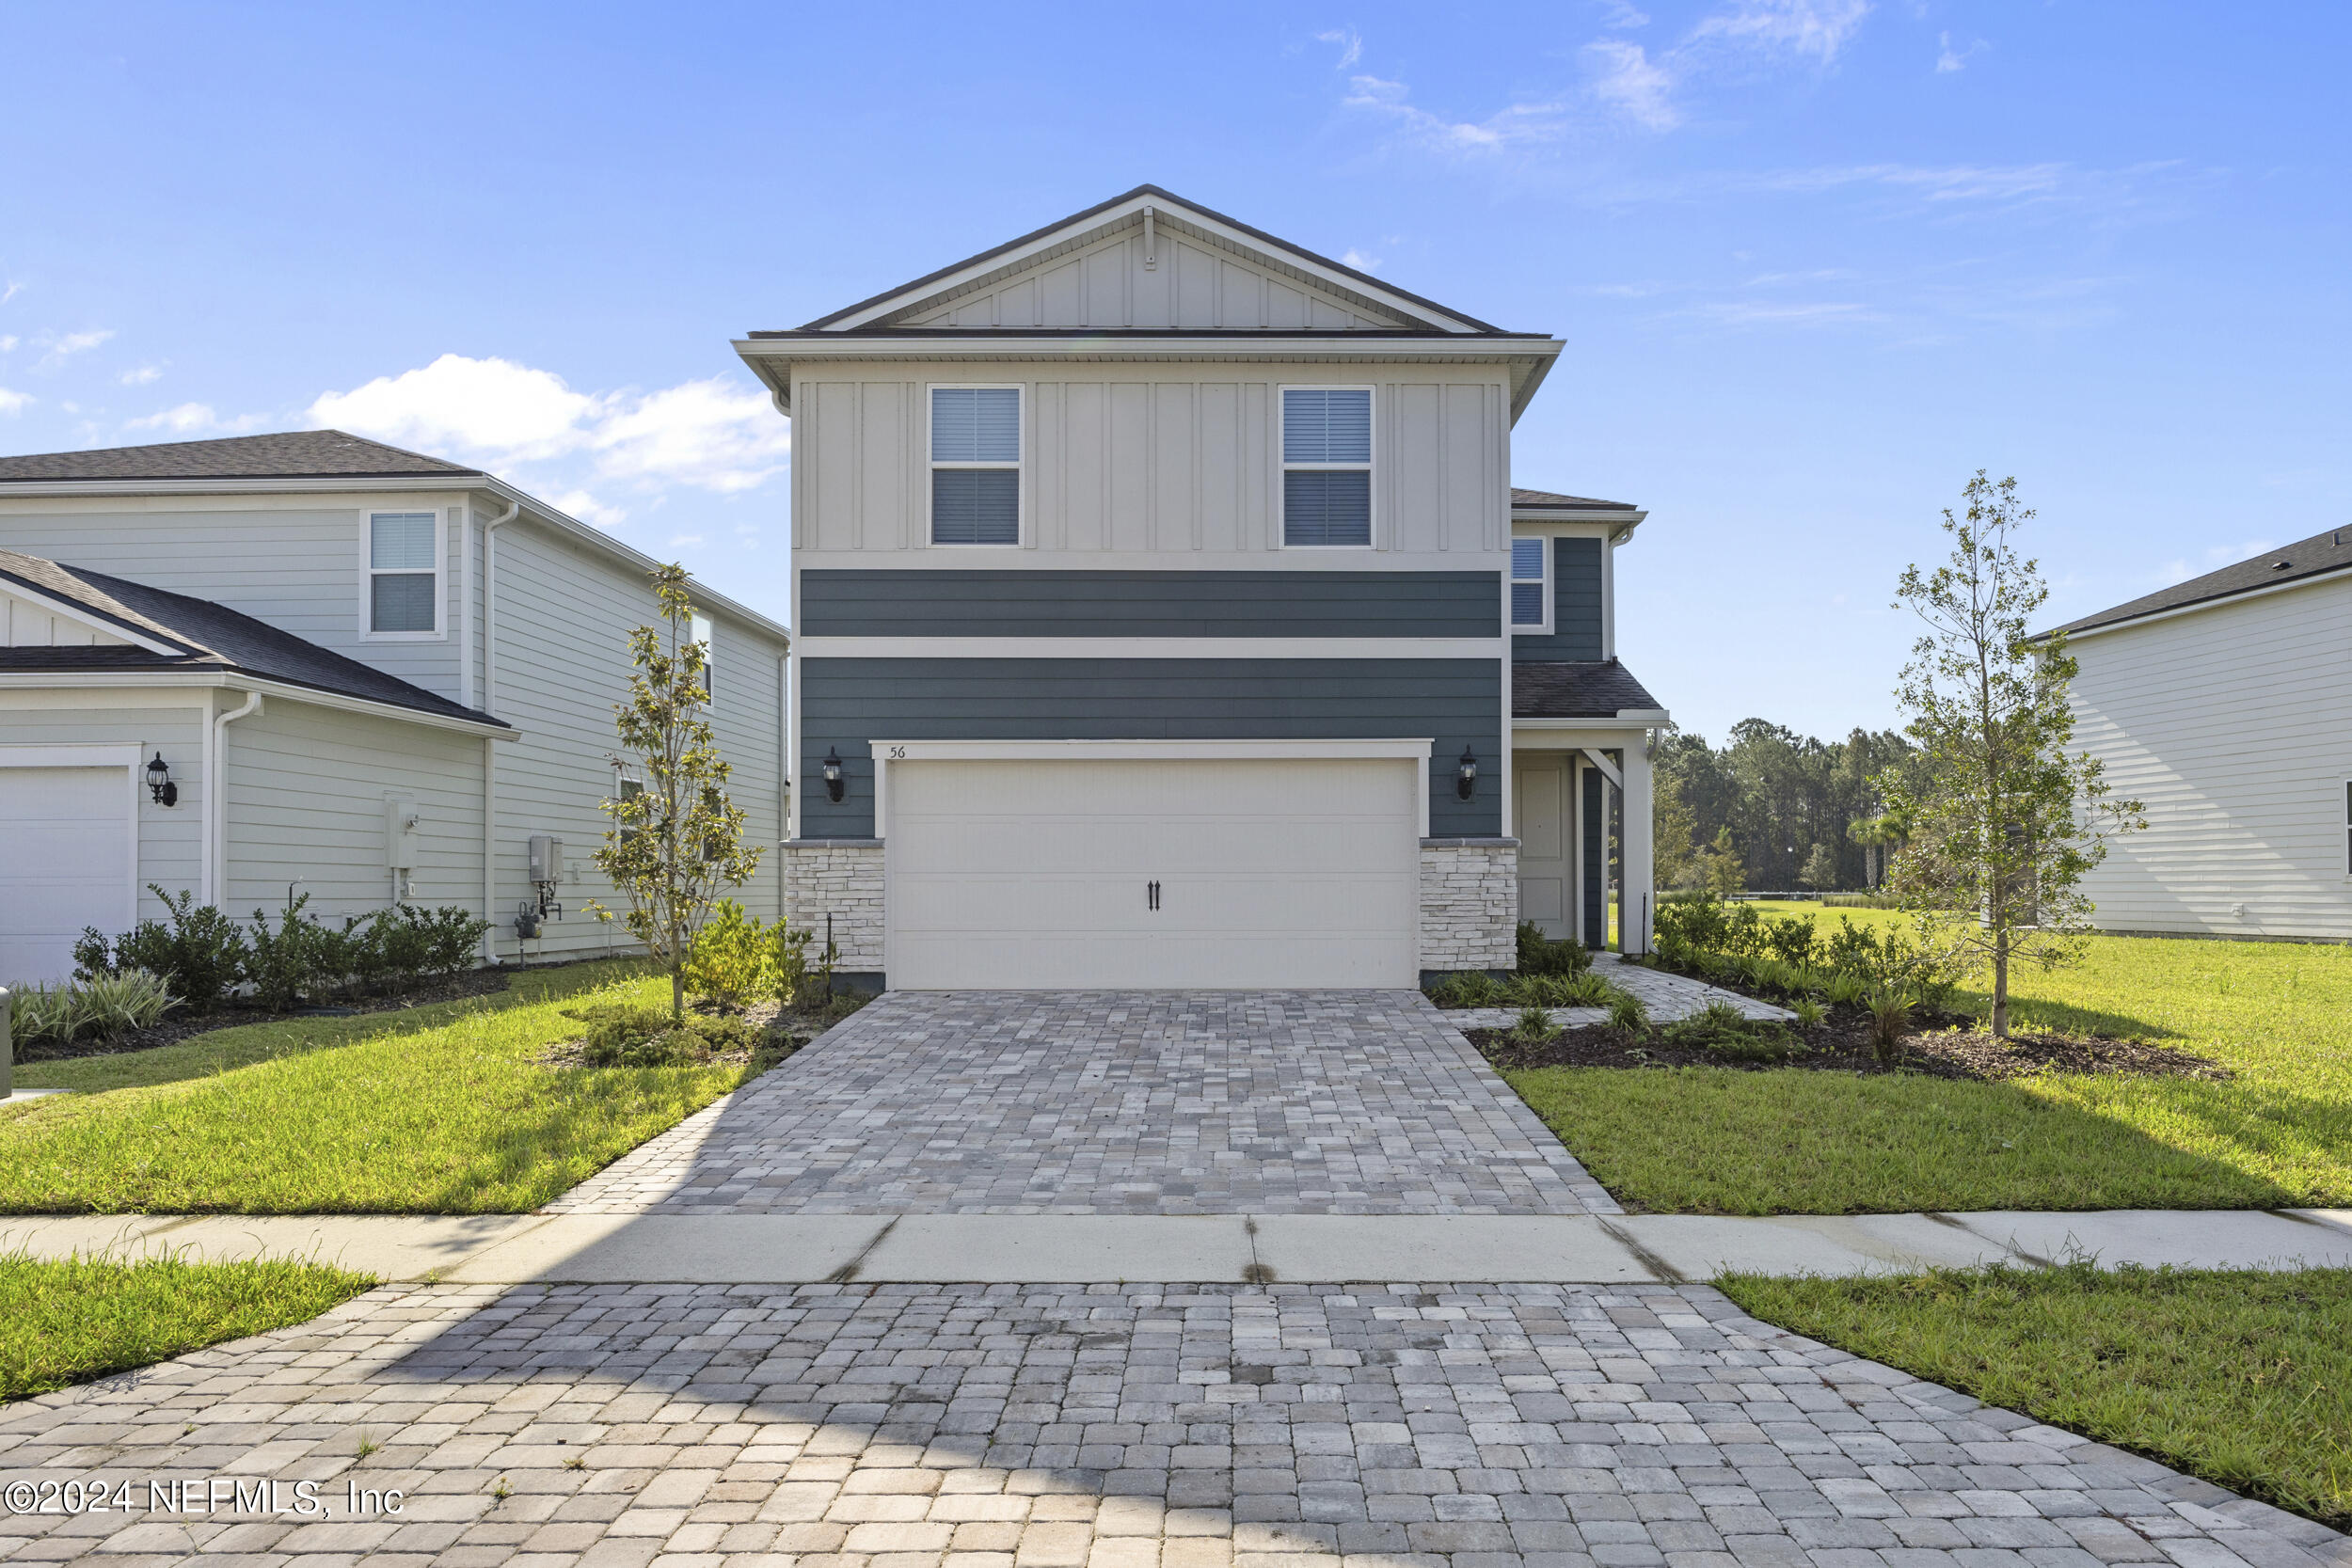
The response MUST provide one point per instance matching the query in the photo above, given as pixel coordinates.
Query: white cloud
(1820, 28)
(65, 347)
(580, 504)
(1617, 13)
(141, 376)
(717, 435)
(685, 541)
(1951, 58)
(1517, 124)
(191, 419)
(8, 345)
(2217, 557)
(14, 403)
(1351, 257)
(478, 405)
(1626, 79)
(1351, 46)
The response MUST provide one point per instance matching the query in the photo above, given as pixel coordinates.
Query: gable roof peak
(1348, 298)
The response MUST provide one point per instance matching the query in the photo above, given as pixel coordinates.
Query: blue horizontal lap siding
(1149, 604)
(847, 703)
(1575, 607)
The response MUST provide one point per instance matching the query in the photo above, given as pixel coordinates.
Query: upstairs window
(698, 630)
(404, 575)
(1528, 599)
(976, 465)
(1326, 466)
(2347, 828)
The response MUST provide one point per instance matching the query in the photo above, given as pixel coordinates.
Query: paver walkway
(1467, 1426)
(1074, 1102)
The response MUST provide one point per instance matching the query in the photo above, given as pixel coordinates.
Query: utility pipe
(216, 788)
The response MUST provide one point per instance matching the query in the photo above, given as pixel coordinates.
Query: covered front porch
(1580, 737)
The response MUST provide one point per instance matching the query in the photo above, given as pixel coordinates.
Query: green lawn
(437, 1109)
(64, 1323)
(2278, 1134)
(2242, 1378)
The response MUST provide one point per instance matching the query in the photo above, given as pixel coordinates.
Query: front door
(1539, 795)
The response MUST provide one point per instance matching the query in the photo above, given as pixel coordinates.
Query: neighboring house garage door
(65, 862)
(1038, 874)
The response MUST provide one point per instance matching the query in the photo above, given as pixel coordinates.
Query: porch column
(1636, 861)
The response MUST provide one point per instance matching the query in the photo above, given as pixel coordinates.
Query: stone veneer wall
(843, 878)
(1470, 903)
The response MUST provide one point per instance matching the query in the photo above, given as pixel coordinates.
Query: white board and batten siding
(564, 619)
(2233, 724)
(1051, 874)
(1133, 464)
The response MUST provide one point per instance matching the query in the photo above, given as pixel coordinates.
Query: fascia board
(1638, 716)
(451, 485)
(1480, 348)
(1629, 519)
(35, 680)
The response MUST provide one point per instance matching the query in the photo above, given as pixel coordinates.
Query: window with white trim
(1326, 466)
(404, 574)
(976, 465)
(698, 630)
(2347, 827)
(627, 786)
(1531, 597)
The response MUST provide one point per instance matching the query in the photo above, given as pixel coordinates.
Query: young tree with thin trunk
(2003, 820)
(677, 839)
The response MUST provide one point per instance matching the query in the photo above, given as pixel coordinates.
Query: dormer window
(976, 465)
(1326, 466)
(1530, 597)
(403, 579)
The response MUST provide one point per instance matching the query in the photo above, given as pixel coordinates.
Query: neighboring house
(399, 671)
(2220, 704)
(1164, 616)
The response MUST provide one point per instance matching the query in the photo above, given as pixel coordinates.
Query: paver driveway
(1471, 1426)
(1168, 1103)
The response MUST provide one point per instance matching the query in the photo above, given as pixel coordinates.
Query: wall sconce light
(1466, 774)
(832, 773)
(159, 783)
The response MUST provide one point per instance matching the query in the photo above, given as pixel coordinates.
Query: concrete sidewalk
(785, 1249)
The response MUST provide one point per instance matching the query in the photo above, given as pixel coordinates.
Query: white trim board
(172, 680)
(81, 615)
(888, 751)
(1149, 647)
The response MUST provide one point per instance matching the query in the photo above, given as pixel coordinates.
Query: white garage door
(65, 862)
(1039, 875)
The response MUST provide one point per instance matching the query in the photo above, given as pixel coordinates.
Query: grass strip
(2242, 1378)
(2279, 1133)
(69, 1321)
(443, 1109)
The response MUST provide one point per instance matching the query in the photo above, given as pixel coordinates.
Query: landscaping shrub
(1541, 954)
(100, 1005)
(283, 964)
(199, 955)
(626, 1035)
(446, 940)
(1587, 989)
(1890, 1014)
(1627, 1012)
(1469, 987)
(731, 958)
(1721, 1030)
(1534, 1023)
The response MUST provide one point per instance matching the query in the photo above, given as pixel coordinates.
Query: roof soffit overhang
(1082, 229)
(1527, 357)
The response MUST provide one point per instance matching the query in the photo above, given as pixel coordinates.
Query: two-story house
(313, 663)
(1164, 616)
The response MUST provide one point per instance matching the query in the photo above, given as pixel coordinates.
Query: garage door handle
(1150, 895)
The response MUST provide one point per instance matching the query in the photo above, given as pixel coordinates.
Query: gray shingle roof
(1552, 498)
(1599, 689)
(289, 455)
(215, 637)
(2308, 558)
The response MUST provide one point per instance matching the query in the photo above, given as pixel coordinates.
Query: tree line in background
(1774, 810)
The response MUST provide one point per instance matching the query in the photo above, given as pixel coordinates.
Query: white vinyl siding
(404, 574)
(975, 465)
(1531, 584)
(1326, 466)
(2233, 725)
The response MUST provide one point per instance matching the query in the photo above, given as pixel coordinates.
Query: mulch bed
(1948, 1047)
(180, 1026)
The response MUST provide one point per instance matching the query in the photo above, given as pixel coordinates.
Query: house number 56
(898, 752)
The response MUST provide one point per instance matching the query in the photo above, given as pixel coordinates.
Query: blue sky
(1815, 261)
